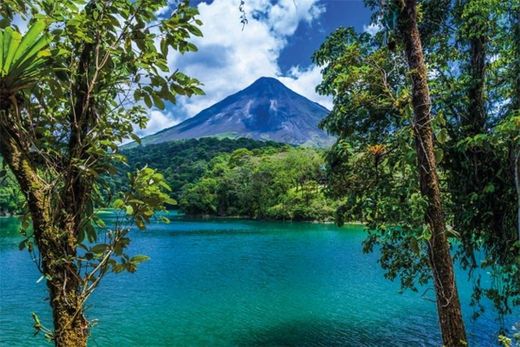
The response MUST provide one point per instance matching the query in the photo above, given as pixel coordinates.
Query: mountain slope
(266, 110)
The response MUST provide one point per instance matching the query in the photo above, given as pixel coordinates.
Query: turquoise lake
(240, 283)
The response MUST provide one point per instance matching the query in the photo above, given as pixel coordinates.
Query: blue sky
(308, 37)
(278, 41)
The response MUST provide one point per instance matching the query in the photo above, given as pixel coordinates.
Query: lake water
(239, 283)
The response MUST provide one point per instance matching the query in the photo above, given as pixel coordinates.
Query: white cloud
(372, 28)
(304, 82)
(231, 57)
(285, 16)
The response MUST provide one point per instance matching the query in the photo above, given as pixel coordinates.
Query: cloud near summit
(231, 56)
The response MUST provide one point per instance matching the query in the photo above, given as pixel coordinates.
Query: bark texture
(448, 304)
(55, 244)
(475, 121)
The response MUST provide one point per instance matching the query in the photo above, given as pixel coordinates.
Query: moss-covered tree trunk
(448, 304)
(70, 324)
(55, 244)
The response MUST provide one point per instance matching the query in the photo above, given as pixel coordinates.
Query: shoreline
(246, 218)
(207, 217)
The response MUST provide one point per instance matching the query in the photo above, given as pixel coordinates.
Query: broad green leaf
(99, 248)
(29, 40)
(14, 42)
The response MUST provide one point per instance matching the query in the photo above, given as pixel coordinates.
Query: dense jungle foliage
(270, 183)
(238, 177)
(11, 199)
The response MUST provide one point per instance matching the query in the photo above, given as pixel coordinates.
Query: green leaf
(118, 203)
(442, 136)
(439, 155)
(99, 248)
(158, 101)
(1, 52)
(90, 232)
(194, 30)
(139, 259)
(16, 38)
(148, 101)
(29, 40)
(489, 188)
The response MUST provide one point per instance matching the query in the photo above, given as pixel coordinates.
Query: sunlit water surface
(239, 283)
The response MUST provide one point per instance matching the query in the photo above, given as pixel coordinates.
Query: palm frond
(22, 57)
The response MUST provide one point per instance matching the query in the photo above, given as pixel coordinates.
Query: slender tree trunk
(516, 102)
(448, 305)
(475, 122)
(55, 245)
(516, 169)
(470, 167)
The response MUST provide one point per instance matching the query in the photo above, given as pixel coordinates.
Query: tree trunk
(516, 172)
(448, 305)
(470, 168)
(55, 245)
(475, 122)
(71, 328)
(516, 104)
(70, 324)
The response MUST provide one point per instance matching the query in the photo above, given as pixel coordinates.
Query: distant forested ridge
(182, 162)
